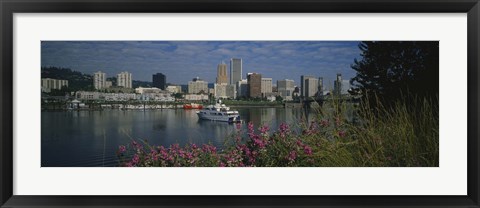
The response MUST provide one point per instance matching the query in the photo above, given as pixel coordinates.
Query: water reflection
(91, 138)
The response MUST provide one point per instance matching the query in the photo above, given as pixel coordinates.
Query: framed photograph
(245, 104)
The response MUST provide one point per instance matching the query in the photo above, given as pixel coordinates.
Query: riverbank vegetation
(378, 137)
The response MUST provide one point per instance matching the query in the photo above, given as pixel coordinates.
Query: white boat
(218, 112)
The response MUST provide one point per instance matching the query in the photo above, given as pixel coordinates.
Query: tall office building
(337, 85)
(285, 88)
(308, 86)
(266, 87)
(222, 74)
(197, 85)
(124, 79)
(159, 81)
(320, 85)
(311, 87)
(220, 90)
(99, 80)
(235, 70)
(254, 85)
(242, 88)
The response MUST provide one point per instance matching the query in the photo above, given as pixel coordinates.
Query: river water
(91, 138)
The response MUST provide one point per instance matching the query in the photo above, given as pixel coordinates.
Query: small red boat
(192, 106)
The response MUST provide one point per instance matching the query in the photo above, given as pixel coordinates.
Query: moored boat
(219, 112)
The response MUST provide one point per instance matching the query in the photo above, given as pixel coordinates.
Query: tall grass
(404, 134)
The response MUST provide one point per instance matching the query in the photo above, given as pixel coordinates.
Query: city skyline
(180, 61)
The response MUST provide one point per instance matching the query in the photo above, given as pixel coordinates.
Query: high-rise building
(311, 87)
(53, 84)
(254, 85)
(337, 85)
(220, 90)
(99, 80)
(124, 80)
(159, 80)
(320, 85)
(235, 70)
(197, 85)
(231, 91)
(222, 74)
(242, 88)
(308, 86)
(285, 88)
(266, 87)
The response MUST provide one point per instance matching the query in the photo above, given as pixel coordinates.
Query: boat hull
(221, 118)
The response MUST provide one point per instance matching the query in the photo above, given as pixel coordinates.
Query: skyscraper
(309, 86)
(222, 74)
(124, 79)
(235, 70)
(254, 85)
(266, 87)
(337, 85)
(159, 80)
(285, 88)
(99, 80)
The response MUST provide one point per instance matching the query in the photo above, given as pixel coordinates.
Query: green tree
(393, 69)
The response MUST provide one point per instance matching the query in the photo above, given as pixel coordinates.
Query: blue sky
(181, 61)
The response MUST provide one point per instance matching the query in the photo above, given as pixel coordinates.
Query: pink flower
(135, 159)
(292, 156)
(122, 149)
(284, 129)
(264, 129)
(307, 150)
(341, 133)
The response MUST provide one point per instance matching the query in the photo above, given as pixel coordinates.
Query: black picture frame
(9, 7)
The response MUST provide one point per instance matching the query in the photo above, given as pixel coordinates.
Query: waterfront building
(211, 91)
(86, 95)
(197, 85)
(196, 97)
(308, 86)
(320, 85)
(254, 85)
(143, 90)
(124, 79)
(99, 80)
(235, 70)
(159, 80)
(242, 88)
(220, 90)
(118, 96)
(337, 85)
(53, 84)
(311, 87)
(108, 84)
(231, 91)
(266, 86)
(174, 89)
(222, 74)
(286, 88)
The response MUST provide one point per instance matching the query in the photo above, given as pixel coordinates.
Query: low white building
(86, 95)
(142, 90)
(119, 96)
(174, 89)
(196, 97)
